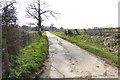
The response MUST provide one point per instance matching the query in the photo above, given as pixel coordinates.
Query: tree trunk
(39, 19)
(39, 30)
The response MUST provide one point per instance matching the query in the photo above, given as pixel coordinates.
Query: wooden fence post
(0, 52)
(5, 57)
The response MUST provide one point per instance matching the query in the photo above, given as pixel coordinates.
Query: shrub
(31, 57)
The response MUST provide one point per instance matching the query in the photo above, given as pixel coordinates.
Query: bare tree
(38, 10)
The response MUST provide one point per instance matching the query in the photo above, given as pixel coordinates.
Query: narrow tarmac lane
(70, 61)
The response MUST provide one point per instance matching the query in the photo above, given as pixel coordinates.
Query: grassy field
(106, 30)
(31, 57)
(91, 44)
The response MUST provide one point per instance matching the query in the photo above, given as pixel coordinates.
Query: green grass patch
(31, 57)
(91, 44)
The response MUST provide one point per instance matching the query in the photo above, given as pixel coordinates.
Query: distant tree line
(28, 28)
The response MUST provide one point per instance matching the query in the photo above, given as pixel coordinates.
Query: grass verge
(31, 58)
(87, 45)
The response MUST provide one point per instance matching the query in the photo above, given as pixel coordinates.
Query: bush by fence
(13, 40)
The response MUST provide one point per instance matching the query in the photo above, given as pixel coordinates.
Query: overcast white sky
(78, 13)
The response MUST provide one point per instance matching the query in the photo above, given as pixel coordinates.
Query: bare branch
(33, 7)
(46, 16)
(44, 12)
(28, 11)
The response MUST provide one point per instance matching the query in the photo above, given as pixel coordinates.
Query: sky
(76, 13)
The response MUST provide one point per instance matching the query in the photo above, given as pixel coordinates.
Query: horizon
(73, 28)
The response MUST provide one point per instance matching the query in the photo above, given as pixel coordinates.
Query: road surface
(69, 61)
